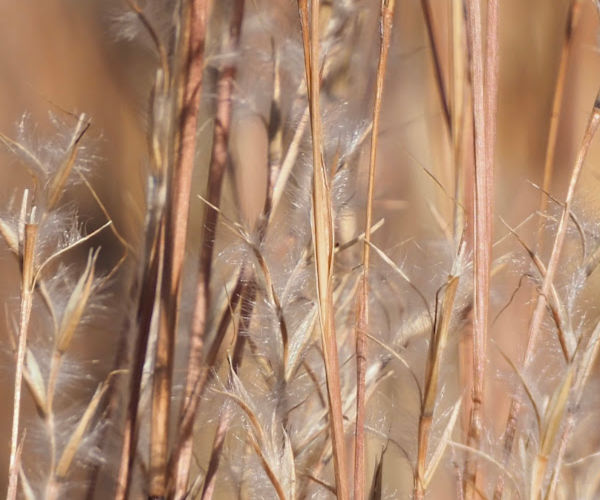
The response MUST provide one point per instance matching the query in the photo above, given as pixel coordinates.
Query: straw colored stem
(322, 228)
(437, 346)
(571, 24)
(27, 288)
(561, 233)
(387, 17)
(484, 80)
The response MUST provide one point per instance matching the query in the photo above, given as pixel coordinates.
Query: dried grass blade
(362, 323)
(376, 490)
(77, 303)
(557, 99)
(322, 229)
(13, 484)
(437, 64)
(538, 415)
(60, 178)
(275, 136)
(29, 239)
(35, 382)
(566, 337)
(66, 458)
(561, 231)
(584, 367)
(440, 449)
(437, 346)
(28, 492)
(10, 236)
(552, 422)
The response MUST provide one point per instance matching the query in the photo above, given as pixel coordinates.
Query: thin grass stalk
(161, 391)
(248, 294)
(536, 320)
(149, 284)
(151, 289)
(194, 16)
(27, 290)
(557, 99)
(437, 346)
(484, 106)
(458, 85)
(248, 289)
(218, 163)
(322, 229)
(387, 18)
(585, 365)
(553, 262)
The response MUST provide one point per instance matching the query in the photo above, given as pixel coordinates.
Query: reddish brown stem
(485, 88)
(183, 449)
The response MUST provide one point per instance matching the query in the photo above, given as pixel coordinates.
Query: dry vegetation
(301, 249)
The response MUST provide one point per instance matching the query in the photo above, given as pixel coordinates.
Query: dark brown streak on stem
(196, 16)
(148, 291)
(437, 65)
(219, 158)
(144, 317)
(387, 18)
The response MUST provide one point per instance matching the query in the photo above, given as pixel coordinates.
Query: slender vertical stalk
(322, 231)
(27, 288)
(219, 158)
(437, 65)
(459, 116)
(386, 21)
(571, 24)
(248, 297)
(194, 16)
(485, 88)
(437, 345)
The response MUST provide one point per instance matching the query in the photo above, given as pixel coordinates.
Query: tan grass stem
(557, 99)
(27, 290)
(362, 324)
(485, 86)
(322, 230)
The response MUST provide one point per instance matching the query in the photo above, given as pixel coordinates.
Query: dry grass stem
(362, 323)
